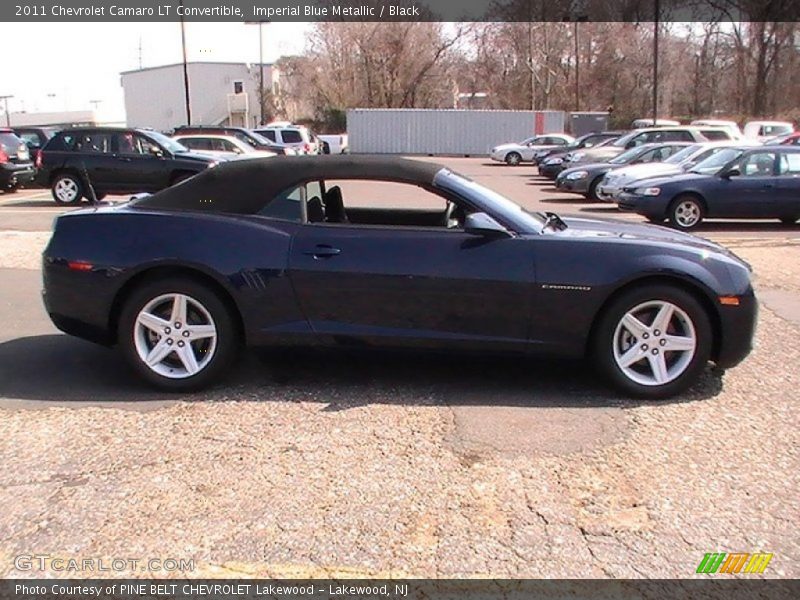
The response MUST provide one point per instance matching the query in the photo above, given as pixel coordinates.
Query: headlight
(554, 161)
(650, 191)
(577, 175)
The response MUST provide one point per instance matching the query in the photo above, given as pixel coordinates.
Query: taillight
(307, 148)
(3, 156)
(37, 158)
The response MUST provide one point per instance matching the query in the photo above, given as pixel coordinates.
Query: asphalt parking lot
(309, 464)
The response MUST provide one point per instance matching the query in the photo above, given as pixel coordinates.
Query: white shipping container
(444, 131)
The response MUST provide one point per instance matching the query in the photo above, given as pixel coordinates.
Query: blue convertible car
(317, 250)
(758, 183)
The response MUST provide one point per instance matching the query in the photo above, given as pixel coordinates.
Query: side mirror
(732, 172)
(482, 224)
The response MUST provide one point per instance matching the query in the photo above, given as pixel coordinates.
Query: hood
(585, 167)
(599, 154)
(641, 232)
(676, 178)
(508, 146)
(648, 170)
(197, 157)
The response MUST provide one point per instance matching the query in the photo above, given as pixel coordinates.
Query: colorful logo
(742, 562)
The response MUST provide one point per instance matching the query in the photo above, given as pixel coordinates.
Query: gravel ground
(22, 249)
(423, 470)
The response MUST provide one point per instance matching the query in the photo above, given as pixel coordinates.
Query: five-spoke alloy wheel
(178, 334)
(67, 189)
(686, 213)
(653, 341)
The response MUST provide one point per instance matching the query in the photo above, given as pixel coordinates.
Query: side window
(269, 134)
(758, 164)
(229, 146)
(287, 206)
(94, 143)
(31, 139)
(67, 142)
(789, 164)
(646, 157)
(638, 140)
(715, 135)
(291, 136)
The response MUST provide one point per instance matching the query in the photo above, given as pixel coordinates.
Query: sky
(68, 65)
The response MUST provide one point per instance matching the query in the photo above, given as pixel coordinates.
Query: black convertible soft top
(244, 186)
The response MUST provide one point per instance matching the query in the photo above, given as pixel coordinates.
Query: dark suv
(114, 161)
(259, 142)
(16, 166)
(35, 138)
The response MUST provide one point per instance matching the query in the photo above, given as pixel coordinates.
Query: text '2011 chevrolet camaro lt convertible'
(376, 252)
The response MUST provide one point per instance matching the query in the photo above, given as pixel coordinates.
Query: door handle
(123, 159)
(323, 251)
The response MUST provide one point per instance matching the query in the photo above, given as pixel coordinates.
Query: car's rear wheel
(653, 341)
(686, 212)
(513, 158)
(12, 188)
(177, 334)
(67, 189)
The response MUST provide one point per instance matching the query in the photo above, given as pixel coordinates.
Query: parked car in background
(681, 161)
(298, 138)
(334, 144)
(35, 138)
(515, 153)
(641, 123)
(760, 182)
(16, 166)
(731, 126)
(651, 135)
(764, 130)
(260, 267)
(223, 147)
(585, 179)
(554, 163)
(114, 160)
(240, 133)
(589, 140)
(788, 139)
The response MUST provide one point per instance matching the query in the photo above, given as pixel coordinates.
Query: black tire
(64, 182)
(513, 159)
(686, 212)
(603, 342)
(227, 340)
(12, 189)
(789, 220)
(591, 193)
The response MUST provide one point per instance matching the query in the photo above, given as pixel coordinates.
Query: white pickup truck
(334, 144)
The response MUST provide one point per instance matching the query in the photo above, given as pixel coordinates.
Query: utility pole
(185, 69)
(577, 71)
(530, 66)
(8, 114)
(262, 95)
(140, 53)
(656, 27)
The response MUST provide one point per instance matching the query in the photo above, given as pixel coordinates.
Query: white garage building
(219, 94)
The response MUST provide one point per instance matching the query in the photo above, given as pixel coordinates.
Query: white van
(764, 130)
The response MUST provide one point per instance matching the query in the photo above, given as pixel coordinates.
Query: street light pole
(577, 71)
(655, 60)
(185, 70)
(8, 114)
(262, 95)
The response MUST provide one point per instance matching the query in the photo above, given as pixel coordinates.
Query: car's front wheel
(67, 189)
(513, 158)
(653, 341)
(177, 334)
(686, 212)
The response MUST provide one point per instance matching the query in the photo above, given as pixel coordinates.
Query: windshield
(627, 156)
(621, 142)
(166, 142)
(716, 161)
(499, 204)
(682, 155)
